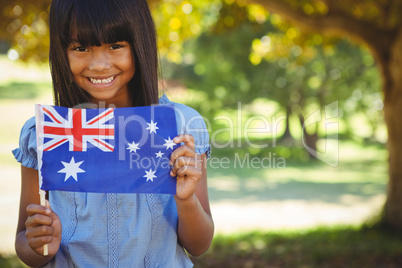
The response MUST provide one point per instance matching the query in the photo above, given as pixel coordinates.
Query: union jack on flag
(119, 150)
(77, 130)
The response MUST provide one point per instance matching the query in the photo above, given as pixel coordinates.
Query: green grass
(23, 90)
(329, 247)
(20, 80)
(361, 172)
(321, 248)
(11, 262)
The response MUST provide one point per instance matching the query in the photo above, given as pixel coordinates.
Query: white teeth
(101, 81)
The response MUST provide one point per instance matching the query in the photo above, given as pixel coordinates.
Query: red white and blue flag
(114, 150)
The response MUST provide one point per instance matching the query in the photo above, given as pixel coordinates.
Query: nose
(100, 61)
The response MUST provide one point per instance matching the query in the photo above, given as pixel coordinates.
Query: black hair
(103, 21)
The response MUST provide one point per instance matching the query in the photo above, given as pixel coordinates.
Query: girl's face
(103, 71)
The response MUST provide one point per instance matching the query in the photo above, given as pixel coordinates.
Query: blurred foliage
(25, 25)
(384, 14)
(178, 20)
(257, 59)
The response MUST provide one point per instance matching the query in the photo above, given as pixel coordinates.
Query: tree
(378, 24)
(317, 71)
(300, 75)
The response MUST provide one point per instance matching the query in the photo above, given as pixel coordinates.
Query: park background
(298, 175)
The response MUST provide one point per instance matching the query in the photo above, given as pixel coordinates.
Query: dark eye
(80, 49)
(115, 46)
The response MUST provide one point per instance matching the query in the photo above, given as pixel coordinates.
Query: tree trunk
(287, 137)
(310, 140)
(392, 78)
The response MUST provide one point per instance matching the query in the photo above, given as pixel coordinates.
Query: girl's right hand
(43, 227)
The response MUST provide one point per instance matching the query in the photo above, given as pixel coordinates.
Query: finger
(38, 219)
(37, 209)
(189, 171)
(184, 161)
(38, 242)
(180, 162)
(188, 140)
(183, 150)
(42, 230)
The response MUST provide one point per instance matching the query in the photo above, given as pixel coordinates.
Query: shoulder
(187, 117)
(183, 112)
(29, 126)
(26, 153)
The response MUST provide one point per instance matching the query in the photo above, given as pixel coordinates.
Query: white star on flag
(152, 127)
(150, 175)
(169, 143)
(71, 169)
(133, 147)
(159, 154)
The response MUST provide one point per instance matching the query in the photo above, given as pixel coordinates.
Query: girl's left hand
(186, 166)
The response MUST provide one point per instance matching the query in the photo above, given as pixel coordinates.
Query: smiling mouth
(101, 81)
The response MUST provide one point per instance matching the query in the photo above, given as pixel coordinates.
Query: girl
(104, 52)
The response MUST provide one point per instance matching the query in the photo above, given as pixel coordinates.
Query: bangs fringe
(97, 22)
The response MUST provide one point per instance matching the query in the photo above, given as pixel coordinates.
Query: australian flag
(111, 150)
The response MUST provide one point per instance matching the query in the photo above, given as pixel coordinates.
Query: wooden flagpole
(39, 143)
(43, 203)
